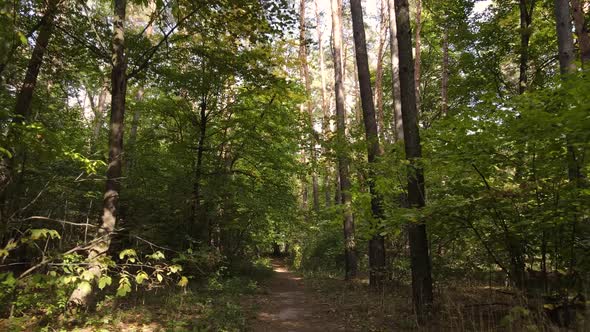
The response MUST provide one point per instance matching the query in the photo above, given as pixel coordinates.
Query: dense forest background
(415, 149)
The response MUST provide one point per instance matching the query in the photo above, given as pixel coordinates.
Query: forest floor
(265, 295)
(287, 304)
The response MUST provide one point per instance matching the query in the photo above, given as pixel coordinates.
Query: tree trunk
(341, 151)
(81, 295)
(383, 132)
(308, 105)
(565, 39)
(325, 107)
(133, 132)
(397, 104)
(374, 151)
(567, 66)
(418, 51)
(25, 95)
(526, 18)
(24, 98)
(99, 116)
(198, 213)
(420, 258)
(445, 73)
(581, 30)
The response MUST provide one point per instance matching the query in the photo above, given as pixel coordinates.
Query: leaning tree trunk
(420, 258)
(24, 98)
(82, 294)
(341, 151)
(374, 151)
(397, 104)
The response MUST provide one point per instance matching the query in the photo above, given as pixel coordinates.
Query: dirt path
(290, 306)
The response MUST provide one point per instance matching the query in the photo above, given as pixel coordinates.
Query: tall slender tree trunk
(99, 115)
(24, 98)
(325, 107)
(374, 151)
(567, 66)
(342, 149)
(393, 45)
(418, 51)
(526, 17)
(308, 105)
(445, 73)
(581, 30)
(420, 257)
(198, 213)
(81, 295)
(383, 132)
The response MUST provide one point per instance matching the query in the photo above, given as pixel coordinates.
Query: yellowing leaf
(183, 282)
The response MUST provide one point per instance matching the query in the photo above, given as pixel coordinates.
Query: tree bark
(565, 41)
(374, 151)
(25, 95)
(445, 73)
(341, 150)
(325, 107)
(420, 258)
(383, 132)
(526, 17)
(393, 45)
(581, 30)
(418, 51)
(198, 214)
(81, 295)
(308, 105)
(567, 66)
(99, 116)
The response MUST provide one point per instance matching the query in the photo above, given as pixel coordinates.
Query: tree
(341, 149)
(304, 71)
(81, 295)
(25, 95)
(581, 27)
(394, 49)
(526, 9)
(420, 258)
(374, 150)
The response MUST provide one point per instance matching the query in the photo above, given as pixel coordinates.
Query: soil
(288, 305)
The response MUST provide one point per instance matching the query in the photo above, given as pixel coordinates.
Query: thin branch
(153, 50)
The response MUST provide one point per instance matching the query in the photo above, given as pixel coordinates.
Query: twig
(63, 222)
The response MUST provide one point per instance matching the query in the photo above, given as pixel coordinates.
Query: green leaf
(5, 152)
(104, 281)
(127, 253)
(124, 287)
(159, 277)
(140, 277)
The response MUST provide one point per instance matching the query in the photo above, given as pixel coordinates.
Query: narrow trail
(290, 306)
